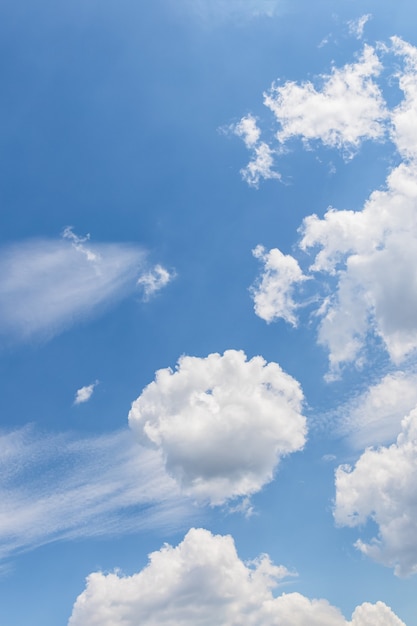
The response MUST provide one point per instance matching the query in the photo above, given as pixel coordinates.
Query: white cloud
(84, 393)
(362, 261)
(47, 285)
(374, 417)
(382, 487)
(273, 292)
(59, 487)
(202, 582)
(347, 110)
(404, 116)
(154, 280)
(260, 166)
(262, 159)
(373, 253)
(248, 129)
(356, 27)
(222, 423)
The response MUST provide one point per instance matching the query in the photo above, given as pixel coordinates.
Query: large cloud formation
(202, 582)
(363, 260)
(382, 487)
(222, 422)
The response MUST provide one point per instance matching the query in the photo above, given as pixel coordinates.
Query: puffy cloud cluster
(273, 293)
(346, 110)
(365, 258)
(382, 487)
(222, 423)
(202, 582)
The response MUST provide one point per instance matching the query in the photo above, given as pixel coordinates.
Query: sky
(208, 313)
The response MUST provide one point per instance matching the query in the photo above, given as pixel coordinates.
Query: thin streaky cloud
(55, 487)
(47, 285)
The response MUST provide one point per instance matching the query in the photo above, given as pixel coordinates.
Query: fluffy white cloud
(248, 129)
(382, 487)
(404, 116)
(274, 290)
(374, 417)
(373, 253)
(347, 110)
(262, 159)
(362, 260)
(47, 285)
(202, 582)
(59, 487)
(84, 393)
(154, 280)
(222, 423)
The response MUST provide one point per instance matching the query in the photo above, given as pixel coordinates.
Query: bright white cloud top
(382, 487)
(222, 422)
(201, 582)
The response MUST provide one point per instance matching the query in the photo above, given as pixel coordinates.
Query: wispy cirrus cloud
(46, 285)
(55, 487)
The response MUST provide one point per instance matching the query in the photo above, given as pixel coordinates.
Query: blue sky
(208, 313)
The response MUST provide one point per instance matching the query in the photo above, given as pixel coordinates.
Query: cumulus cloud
(373, 252)
(47, 285)
(363, 260)
(222, 422)
(348, 109)
(375, 416)
(201, 582)
(404, 116)
(154, 280)
(84, 393)
(274, 290)
(382, 487)
(60, 487)
(262, 156)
